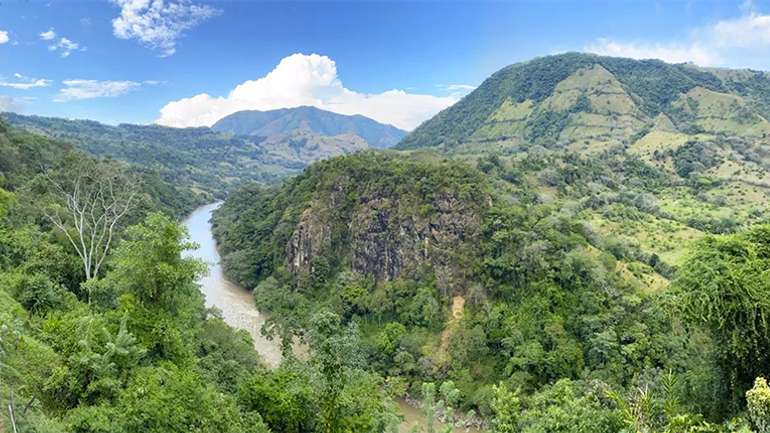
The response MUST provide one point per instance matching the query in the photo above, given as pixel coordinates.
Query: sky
(190, 62)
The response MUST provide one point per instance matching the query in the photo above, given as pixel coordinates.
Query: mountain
(24, 156)
(311, 119)
(216, 160)
(384, 215)
(554, 231)
(586, 102)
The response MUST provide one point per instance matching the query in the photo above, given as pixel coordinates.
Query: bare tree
(91, 201)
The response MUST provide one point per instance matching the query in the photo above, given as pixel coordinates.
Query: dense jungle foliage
(563, 327)
(527, 287)
(133, 348)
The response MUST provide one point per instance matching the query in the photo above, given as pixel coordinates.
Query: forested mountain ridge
(214, 161)
(385, 216)
(583, 284)
(24, 155)
(321, 122)
(570, 125)
(589, 102)
(130, 346)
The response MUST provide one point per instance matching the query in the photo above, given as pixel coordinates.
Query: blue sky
(189, 62)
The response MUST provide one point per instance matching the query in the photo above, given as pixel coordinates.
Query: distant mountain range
(268, 123)
(245, 146)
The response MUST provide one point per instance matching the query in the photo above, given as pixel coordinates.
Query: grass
(722, 113)
(669, 239)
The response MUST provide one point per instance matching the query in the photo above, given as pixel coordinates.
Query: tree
(6, 199)
(758, 399)
(167, 399)
(429, 406)
(506, 406)
(336, 351)
(91, 198)
(724, 288)
(149, 264)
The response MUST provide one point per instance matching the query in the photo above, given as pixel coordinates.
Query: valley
(238, 309)
(579, 244)
(246, 146)
(235, 303)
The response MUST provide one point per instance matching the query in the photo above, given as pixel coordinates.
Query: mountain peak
(310, 119)
(589, 102)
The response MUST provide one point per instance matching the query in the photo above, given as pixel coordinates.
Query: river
(237, 304)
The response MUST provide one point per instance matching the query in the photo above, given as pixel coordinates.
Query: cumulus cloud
(730, 42)
(20, 82)
(4, 38)
(8, 103)
(745, 32)
(693, 52)
(48, 35)
(158, 24)
(65, 47)
(74, 90)
(299, 80)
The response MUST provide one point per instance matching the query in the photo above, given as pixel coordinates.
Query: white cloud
(738, 42)
(459, 87)
(8, 103)
(158, 24)
(693, 52)
(4, 38)
(299, 80)
(48, 35)
(65, 47)
(88, 89)
(20, 82)
(748, 31)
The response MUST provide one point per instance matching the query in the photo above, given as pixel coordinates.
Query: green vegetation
(588, 102)
(266, 123)
(544, 317)
(585, 250)
(132, 348)
(239, 148)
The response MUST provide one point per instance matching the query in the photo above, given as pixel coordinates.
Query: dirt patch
(457, 311)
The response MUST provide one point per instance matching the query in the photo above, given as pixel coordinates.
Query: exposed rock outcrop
(386, 234)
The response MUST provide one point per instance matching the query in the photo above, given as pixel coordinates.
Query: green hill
(216, 160)
(703, 131)
(24, 156)
(588, 102)
(550, 233)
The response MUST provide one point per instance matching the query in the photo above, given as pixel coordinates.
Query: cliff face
(379, 215)
(384, 235)
(385, 216)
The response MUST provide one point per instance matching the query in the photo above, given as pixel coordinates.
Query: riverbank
(239, 311)
(235, 302)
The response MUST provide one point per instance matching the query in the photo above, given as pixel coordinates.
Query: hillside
(568, 126)
(379, 215)
(585, 102)
(553, 233)
(25, 156)
(214, 161)
(310, 119)
(446, 260)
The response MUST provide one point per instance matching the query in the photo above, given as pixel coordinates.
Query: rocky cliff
(381, 216)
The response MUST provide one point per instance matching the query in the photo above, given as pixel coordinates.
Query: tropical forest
(577, 243)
